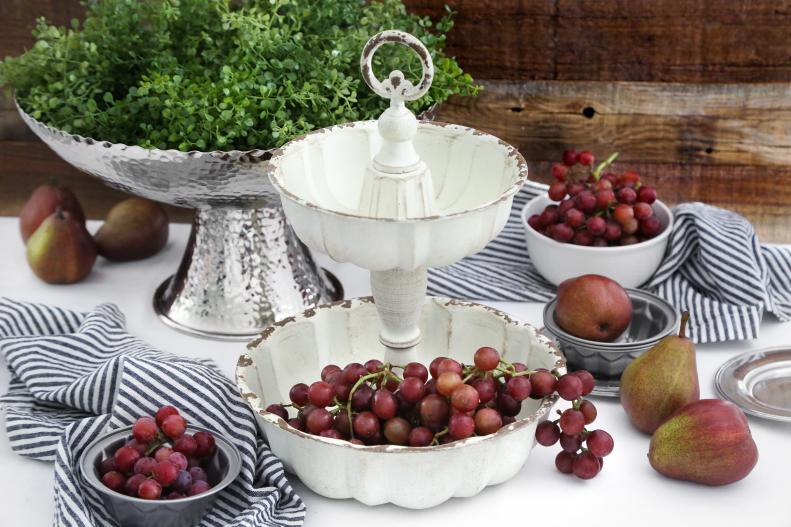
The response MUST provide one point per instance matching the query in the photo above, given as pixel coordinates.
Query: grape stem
(439, 434)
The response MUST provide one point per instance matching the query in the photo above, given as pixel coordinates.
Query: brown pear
(134, 229)
(660, 381)
(61, 250)
(42, 203)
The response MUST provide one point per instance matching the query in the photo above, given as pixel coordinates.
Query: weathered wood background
(695, 94)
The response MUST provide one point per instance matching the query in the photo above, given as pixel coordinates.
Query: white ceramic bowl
(295, 349)
(630, 265)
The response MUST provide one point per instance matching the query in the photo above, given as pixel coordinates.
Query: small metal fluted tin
(653, 318)
(137, 512)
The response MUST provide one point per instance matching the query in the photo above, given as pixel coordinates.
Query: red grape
(550, 215)
(331, 433)
(600, 242)
(325, 371)
(107, 465)
(432, 368)
(373, 365)
(447, 382)
(604, 198)
(570, 443)
(486, 358)
(570, 157)
(205, 442)
(642, 211)
(199, 487)
(125, 458)
(629, 240)
(361, 398)
(646, 194)
(145, 466)
(149, 490)
(559, 171)
(585, 201)
(461, 426)
(132, 485)
(342, 391)
(299, 393)
(465, 398)
(602, 184)
(599, 443)
(629, 178)
(583, 238)
(342, 424)
(114, 480)
(487, 421)
(277, 409)
(165, 473)
(630, 226)
(413, 389)
(297, 423)
(485, 388)
(596, 225)
(507, 405)
(352, 372)
(397, 430)
(575, 188)
(586, 158)
(575, 218)
(519, 388)
(588, 410)
(366, 425)
(179, 460)
(535, 222)
(448, 365)
(572, 421)
(557, 191)
(174, 426)
(564, 462)
(586, 466)
(588, 382)
(198, 474)
(145, 429)
(183, 481)
(384, 404)
(542, 383)
(563, 233)
(415, 369)
(613, 231)
(569, 387)
(434, 410)
(547, 433)
(320, 394)
(420, 436)
(318, 420)
(623, 213)
(650, 227)
(627, 195)
(164, 412)
(163, 453)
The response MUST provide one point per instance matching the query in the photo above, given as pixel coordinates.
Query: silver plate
(759, 383)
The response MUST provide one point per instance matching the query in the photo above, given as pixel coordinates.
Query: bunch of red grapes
(369, 404)
(160, 460)
(597, 208)
(584, 462)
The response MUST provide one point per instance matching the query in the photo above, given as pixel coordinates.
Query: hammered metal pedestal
(243, 267)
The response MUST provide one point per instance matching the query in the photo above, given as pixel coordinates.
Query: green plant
(219, 74)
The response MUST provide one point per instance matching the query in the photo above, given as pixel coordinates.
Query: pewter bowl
(653, 319)
(243, 267)
(296, 349)
(130, 511)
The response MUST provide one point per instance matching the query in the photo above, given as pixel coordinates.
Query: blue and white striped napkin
(75, 375)
(715, 268)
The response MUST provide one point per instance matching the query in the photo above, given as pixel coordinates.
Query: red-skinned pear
(134, 229)
(593, 307)
(42, 203)
(61, 251)
(707, 441)
(660, 381)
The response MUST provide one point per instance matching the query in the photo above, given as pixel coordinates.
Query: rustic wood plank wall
(696, 94)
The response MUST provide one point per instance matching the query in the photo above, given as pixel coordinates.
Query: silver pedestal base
(242, 270)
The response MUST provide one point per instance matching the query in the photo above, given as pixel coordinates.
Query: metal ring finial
(396, 87)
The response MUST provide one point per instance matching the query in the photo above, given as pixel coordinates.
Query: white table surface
(626, 492)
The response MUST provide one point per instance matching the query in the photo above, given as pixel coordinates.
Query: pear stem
(59, 212)
(683, 327)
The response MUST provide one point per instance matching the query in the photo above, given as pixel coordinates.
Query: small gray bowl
(653, 318)
(223, 469)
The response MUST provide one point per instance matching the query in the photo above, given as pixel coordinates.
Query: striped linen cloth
(714, 267)
(75, 375)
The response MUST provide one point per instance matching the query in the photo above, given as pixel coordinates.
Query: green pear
(61, 250)
(660, 381)
(134, 229)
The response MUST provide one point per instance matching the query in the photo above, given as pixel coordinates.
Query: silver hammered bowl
(222, 470)
(653, 319)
